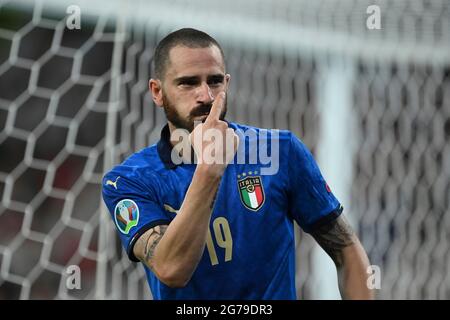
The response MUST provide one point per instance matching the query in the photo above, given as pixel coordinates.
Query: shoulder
(251, 132)
(140, 169)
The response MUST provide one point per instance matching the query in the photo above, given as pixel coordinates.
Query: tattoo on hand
(335, 236)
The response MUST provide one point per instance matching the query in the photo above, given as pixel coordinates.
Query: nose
(204, 94)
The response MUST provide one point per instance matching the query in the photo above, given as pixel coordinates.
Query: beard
(188, 123)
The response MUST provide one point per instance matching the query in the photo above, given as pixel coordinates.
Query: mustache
(201, 110)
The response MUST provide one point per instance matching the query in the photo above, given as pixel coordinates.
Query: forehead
(194, 61)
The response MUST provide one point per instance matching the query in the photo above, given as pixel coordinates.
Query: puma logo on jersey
(170, 209)
(111, 183)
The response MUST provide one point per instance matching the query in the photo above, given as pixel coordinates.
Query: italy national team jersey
(249, 252)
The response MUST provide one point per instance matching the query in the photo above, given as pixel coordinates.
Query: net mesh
(59, 87)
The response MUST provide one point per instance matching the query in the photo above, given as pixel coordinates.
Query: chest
(244, 197)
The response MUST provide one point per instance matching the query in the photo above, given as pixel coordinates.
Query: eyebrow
(185, 79)
(217, 76)
(179, 80)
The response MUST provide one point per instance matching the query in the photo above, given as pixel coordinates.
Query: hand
(214, 143)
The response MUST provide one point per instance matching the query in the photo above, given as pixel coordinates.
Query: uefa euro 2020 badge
(126, 215)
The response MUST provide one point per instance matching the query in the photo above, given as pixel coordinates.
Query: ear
(155, 88)
(227, 81)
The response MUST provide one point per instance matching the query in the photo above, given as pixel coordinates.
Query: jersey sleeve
(311, 202)
(133, 207)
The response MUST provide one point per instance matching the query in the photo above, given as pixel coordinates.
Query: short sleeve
(311, 202)
(133, 208)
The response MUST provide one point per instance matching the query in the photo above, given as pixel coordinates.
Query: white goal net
(372, 104)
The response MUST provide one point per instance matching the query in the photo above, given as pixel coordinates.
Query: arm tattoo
(152, 241)
(333, 237)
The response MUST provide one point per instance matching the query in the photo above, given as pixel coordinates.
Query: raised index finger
(217, 107)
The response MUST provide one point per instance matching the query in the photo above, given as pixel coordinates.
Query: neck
(182, 145)
(171, 129)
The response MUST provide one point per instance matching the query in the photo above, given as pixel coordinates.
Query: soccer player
(222, 229)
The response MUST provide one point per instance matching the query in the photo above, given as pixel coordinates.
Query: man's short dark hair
(188, 37)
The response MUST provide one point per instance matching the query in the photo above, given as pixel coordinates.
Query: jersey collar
(164, 148)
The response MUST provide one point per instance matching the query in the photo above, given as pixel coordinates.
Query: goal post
(371, 103)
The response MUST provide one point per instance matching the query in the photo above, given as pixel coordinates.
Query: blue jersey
(249, 252)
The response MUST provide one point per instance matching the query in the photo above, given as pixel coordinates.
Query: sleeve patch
(126, 215)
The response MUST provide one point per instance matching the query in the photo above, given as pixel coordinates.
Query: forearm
(340, 242)
(352, 272)
(180, 250)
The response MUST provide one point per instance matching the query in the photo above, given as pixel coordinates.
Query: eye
(187, 83)
(215, 82)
